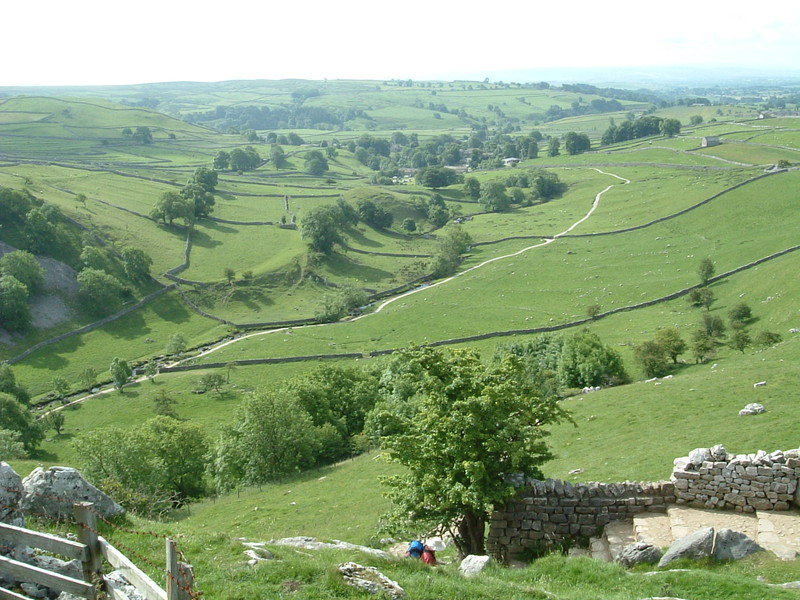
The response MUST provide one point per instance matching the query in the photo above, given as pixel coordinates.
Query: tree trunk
(472, 531)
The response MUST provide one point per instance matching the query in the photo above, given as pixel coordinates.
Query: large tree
(322, 226)
(172, 205)
(475, 425)
(24, 266)
(16, 417)
(137, 263)
(149, 468)
(271, 437)
(100, 292)
(15, 313)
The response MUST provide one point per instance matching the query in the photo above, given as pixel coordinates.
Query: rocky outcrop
(734, 545)
(697, 545)
(371, 580)
(639, 553)
(310, 543)
(53, 492)
(473, 565)
(10, 493)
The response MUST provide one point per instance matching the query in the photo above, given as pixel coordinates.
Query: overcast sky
(92, 42)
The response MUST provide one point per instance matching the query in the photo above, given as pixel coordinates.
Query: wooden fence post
(180, 576)
(87, 534)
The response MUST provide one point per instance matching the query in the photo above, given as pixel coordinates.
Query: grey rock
(53, 492)
(33, 591)
(473, 564)
(371, 580)
(696, 545)
(639, 553)
(10, 493)
(754, 408)
(698, 456)
(310, 543)
(734, 545)
(122, 586)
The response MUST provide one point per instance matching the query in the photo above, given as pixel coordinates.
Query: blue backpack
(415, 549)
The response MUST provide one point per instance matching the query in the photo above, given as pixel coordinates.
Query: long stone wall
(552, 512)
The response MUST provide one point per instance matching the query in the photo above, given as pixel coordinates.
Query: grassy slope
(701, 407)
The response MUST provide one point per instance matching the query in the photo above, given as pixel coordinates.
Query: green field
(633, 223)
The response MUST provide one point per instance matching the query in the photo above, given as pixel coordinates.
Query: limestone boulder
(734, 545)
(639, 553)
(10, 493)
(473, 564)
(371, 580)
(754, 408)
(53, 492)
(696, 545)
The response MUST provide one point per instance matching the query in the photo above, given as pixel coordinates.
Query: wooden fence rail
(91, 549)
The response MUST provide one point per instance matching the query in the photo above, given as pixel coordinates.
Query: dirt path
(546, 241)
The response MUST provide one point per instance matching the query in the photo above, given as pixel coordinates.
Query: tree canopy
(475, 426)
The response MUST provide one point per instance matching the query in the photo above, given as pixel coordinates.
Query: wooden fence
(92, 550)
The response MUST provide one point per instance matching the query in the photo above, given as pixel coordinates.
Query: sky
(99, 42)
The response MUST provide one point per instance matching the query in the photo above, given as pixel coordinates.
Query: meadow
(643, 241)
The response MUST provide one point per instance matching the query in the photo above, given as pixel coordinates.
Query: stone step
(618, 534)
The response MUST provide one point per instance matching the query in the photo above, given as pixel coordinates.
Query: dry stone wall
(552, 512)
(712, 478)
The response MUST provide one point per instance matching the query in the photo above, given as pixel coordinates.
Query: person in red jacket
(433, 546)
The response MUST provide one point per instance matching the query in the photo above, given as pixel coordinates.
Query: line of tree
(522, 187)
(646, 126)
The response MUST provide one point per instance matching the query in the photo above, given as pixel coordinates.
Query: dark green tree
(100, 292)
(740, 315)
(16, 417)
(472, 188)
(222, 161)
(271, 437)
(586, 361)
(494, 197)
(322, 228)
(120, 373)
(172, 205)
(670, 127)
(706, 270)
(652, 357)
(137, 263)
(554, 147)
(143, 135)
(25, 268)
(482, 425)
(576, 143)
(671, 341)
(15, 313)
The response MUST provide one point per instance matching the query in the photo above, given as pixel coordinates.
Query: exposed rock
(371, 580)
(33, 591)
(53, 492)
(310, 543)
(698, 456)
(639, 553)
(122, 586)
(699, 544)
(10, 493)
(754, 408)
(473, 564)
(256, 552)
(734, 545)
